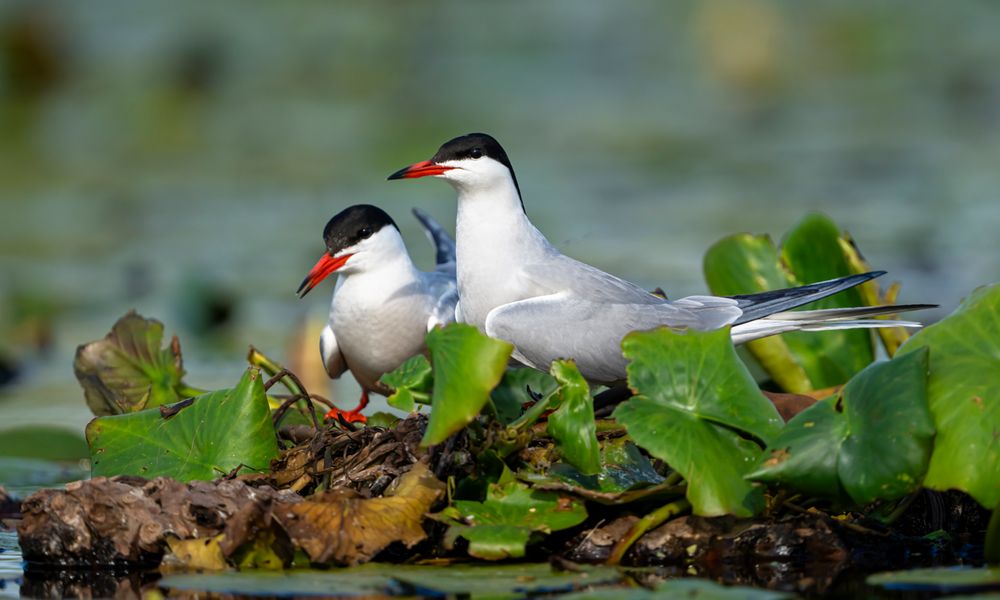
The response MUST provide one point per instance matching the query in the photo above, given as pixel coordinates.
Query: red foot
(350, 416)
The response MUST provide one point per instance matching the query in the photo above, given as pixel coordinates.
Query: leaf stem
(650, 521)
(534, 413)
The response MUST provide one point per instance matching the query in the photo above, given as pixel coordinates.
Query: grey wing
(444, 244)
(444, 291)
(556, 326)
(561, 272)
(333, 360)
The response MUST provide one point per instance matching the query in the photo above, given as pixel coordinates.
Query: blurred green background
(180, 157)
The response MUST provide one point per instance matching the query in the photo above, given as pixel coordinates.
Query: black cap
(353, 224)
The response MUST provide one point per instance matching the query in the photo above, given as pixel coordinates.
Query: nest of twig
(366, 460)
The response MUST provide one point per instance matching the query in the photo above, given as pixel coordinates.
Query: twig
(302, 394)
(650, 521)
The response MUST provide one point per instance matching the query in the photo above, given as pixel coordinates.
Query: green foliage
(696, 404)
(512, 394)
(128, 370)
(964, 394)
(688, 588)
(830, 449)
(467, 366)
(218, 432)
(45, 442)
(812, 251)
(409, 381)
(572, 424)
(502, 525)
(516, 580)
(623, 468)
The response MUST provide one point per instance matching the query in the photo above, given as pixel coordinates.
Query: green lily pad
(373, 579)
(44, 442)
(939, 579)
(696, 404)
(467, 366)
(828, 449)
(572, 424)
(812, 251)
(128, 370)
(623, 468)
(502, 525)
(217, 433)
(410, 380)
(699, 589)
(964, 394)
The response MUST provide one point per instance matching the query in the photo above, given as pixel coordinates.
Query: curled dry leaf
(341, 527)
(128, 370)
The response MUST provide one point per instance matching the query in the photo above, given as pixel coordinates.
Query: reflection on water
(181, 158)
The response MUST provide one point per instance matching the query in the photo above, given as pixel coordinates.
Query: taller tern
(515, 286)
(382, 305)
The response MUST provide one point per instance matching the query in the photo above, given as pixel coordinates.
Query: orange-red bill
(326, 265)
(420, 169)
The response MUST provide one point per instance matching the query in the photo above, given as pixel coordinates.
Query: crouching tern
(382, 306)
(515, 286)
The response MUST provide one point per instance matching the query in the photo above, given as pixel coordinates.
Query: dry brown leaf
(341, 527)
(197, 553)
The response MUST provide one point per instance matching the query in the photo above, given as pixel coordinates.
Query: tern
(515, 286)
(382, 306)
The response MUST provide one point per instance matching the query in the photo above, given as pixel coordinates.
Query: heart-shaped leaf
(828, 449)
(467, 366)
(215, 434)
(695, 407)
(964, 394)
(409, 381)
(501, 526)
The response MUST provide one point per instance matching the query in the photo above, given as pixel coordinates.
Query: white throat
(493, 237)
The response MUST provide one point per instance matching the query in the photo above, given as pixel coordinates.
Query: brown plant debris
(129, 520)
(367, 460)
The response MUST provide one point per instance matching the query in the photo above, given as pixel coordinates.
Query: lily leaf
(128, 370)
(827, 449)
(217, 433)
(59, 443)
(502, 526)
(467, 366)
(412, 377)
(812, 251)
(572, 424)
(964, 394)
(694, 408)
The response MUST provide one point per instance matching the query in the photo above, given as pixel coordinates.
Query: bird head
(356, 238)
(471, 162)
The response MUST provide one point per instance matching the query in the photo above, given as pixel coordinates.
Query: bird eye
(476, 153)
(365, 232)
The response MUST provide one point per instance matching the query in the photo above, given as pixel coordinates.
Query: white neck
(493, 237)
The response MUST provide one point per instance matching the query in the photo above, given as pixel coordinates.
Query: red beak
(420, 169)
(326, 265)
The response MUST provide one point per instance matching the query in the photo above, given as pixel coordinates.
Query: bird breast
(379, 325)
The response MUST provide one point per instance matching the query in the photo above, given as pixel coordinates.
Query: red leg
(351, 416)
